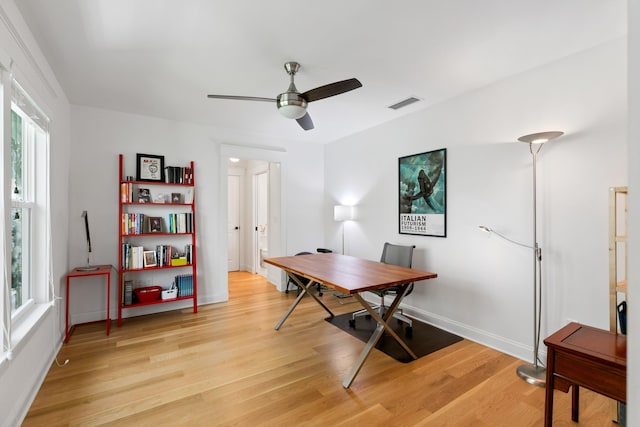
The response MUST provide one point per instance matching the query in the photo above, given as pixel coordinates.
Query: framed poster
(149, 168)
(423, 194)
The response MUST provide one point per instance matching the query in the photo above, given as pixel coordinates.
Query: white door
(233, 223)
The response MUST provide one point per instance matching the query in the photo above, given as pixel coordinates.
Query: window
(29, 204)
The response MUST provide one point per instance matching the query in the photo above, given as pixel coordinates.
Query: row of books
(184, 283)
(126, 192)
(181, 223)
(168, 255)
(138, 223)
(178, 175)
(130, 193)
(132, 257)
(136, 257)
(127, 295)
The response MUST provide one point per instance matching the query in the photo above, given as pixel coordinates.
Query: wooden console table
(582, 356)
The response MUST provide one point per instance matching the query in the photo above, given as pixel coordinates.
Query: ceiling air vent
(404, 103)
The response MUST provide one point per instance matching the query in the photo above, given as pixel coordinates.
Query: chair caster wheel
(352, 323)
(408, 332)
(319, 294)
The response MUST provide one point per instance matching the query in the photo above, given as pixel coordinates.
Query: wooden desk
(352, 276)
(582, 356)
(101, 270)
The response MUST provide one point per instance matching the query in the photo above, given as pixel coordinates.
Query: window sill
(27, 325)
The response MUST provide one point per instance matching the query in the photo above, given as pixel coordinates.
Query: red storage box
(148, 294)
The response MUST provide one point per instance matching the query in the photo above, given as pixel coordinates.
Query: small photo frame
(144, 195)
(154, 224)
(176, 198)
(149, 167)
(149, 258)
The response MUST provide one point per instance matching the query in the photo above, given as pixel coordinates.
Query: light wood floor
(226, 365)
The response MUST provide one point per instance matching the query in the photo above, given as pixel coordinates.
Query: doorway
(276, 216)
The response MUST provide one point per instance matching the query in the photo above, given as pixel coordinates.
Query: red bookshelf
(155, 236)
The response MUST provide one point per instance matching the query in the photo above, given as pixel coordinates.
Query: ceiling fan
(293, 104)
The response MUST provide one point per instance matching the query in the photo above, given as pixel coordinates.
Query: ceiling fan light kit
(292, 104)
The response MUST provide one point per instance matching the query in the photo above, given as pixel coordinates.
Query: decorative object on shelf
(535, 373)
(154, 224)
(144, 195)
(149, 167)
(342, 214)
(170, 293)
(188, 196)
(149, 259)
(176, 198)
(422, 194)
(148, 293)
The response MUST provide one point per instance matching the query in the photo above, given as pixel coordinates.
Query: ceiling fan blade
(305, 122)
(242, 98)
(331, 89)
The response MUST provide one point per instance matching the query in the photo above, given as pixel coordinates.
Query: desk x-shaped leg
(375, 337)
(305, 290)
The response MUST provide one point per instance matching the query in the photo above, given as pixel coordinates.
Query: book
(128, 292)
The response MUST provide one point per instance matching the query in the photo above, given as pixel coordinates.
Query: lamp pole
(535, 373)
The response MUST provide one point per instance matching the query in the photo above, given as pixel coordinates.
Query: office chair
(396, 255)
(290, 281)
(319, 287)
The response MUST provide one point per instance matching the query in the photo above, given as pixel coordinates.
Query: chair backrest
(397, 254)
(290, 280)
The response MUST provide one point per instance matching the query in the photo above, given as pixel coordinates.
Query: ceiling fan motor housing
(291, 105)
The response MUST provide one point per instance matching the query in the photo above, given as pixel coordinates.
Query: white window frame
(28, 206)
(35, 201)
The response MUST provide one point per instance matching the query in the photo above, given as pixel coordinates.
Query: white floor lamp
(534, 373)
(343, 213)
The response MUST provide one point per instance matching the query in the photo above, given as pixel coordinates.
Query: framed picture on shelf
(149, 258)
(149, 168)
(422, 194)
(154, 224)
(144, 195)
(176, 197)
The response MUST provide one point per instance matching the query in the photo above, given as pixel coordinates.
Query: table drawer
(607, 380)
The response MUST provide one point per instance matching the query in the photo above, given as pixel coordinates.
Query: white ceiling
(162, 57)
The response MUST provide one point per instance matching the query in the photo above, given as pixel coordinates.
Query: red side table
(101, 270)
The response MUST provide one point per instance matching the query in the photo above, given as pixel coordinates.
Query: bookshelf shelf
(151, 234)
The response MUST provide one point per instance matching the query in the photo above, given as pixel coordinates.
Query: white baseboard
(497, 342)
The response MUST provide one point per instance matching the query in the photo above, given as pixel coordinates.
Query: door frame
(255, 241)
(277, 236)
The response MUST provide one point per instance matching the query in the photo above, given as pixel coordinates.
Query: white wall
(98, 136)
(633, 351)
(484, 289)
(20, 378)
